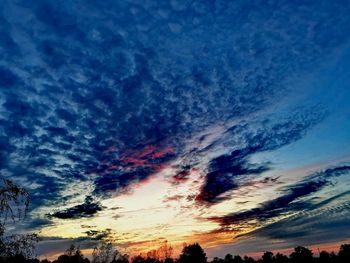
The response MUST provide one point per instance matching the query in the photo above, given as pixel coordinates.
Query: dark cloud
(87, 209)
(98, 235)
(181, 176)
(224, 170)
(288, 202)
(87, 87)
(324, 222)
(275, 207)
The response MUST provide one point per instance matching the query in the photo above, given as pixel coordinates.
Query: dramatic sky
(220, 122)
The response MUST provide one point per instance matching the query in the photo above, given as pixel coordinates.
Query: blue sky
(220, 122)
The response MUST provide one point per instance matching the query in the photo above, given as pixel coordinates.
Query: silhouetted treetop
(192, 254)
(344, 252)
(301, 254)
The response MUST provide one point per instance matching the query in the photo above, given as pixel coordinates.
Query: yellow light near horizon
(141, 215)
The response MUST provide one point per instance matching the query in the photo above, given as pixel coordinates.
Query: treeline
(105, 253)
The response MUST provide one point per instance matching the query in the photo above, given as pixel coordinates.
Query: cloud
(49, 246)
(275, 207)
(98, 235)
(289, 202)
(87, 209)
(319, 222)
(110, 93)
(225, 171)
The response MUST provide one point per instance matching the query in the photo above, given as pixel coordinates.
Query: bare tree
(19, 245)
(104, 253)
(165, 251)
(12, 196)
(14, 203)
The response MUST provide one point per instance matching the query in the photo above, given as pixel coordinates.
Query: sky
(138, 122)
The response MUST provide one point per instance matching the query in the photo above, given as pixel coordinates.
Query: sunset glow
(144, 123)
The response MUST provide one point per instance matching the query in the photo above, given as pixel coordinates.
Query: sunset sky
(220, 122)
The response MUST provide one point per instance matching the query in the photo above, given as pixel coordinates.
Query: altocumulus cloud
(103, 94)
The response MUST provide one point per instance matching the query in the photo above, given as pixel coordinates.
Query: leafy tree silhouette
(268, 257)
(218, 260)
(344, 253)
(324, 257)
(228, 258)
(192, 254)
(301, 254)
(249, 259)
(280, 258)
(237, 259)
(72, 255)
(140, 259)
(168, 260)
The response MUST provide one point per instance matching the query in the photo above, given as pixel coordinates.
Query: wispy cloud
(287, 204)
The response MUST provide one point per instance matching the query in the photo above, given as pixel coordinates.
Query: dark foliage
(190, 254)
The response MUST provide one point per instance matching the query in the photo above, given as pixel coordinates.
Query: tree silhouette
(324, 257)
(165, 251)
(140, 259)
(14, 203)
(192, 254)
(268, 257)
(19, 245)
(137, 259)
(248, 259)
(237, 259)
(217, 260)
(104, 253)
(228, 258)
(301, 254)
(121, 259)
(280, 258)
(344, 253)
(72, 255)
